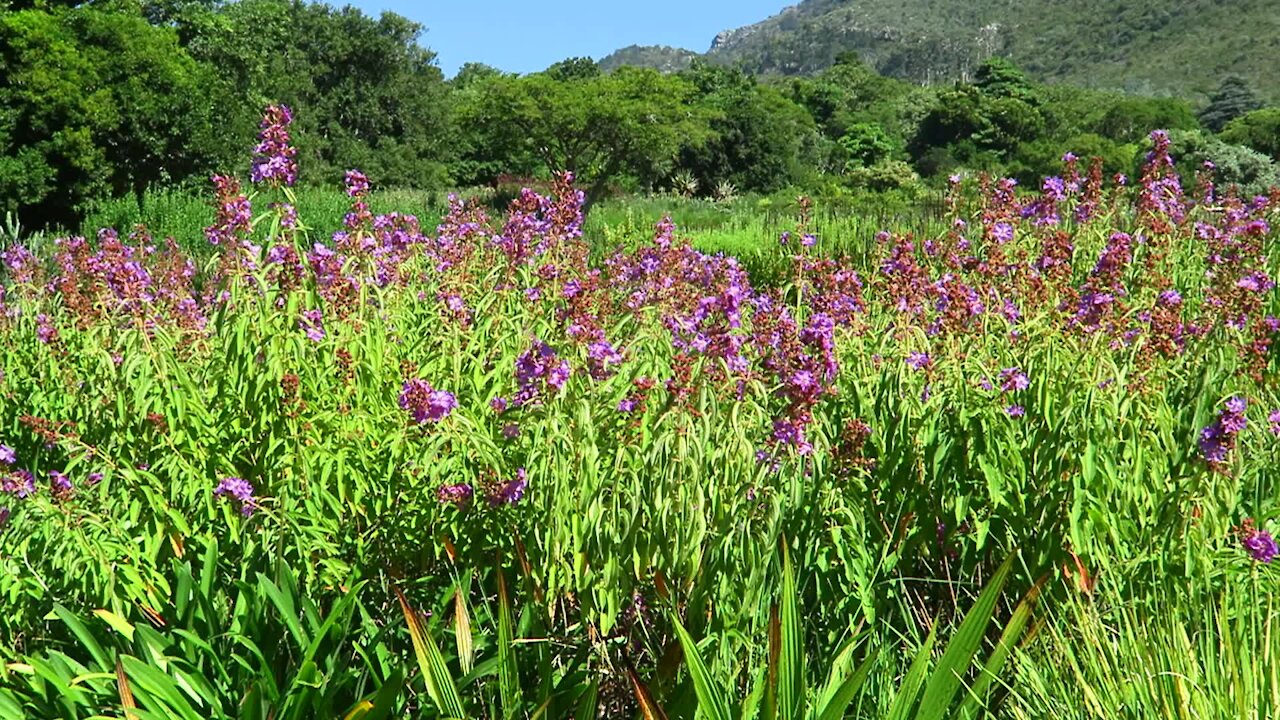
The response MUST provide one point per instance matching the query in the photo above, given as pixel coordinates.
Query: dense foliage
(1182, 48)
(110, 100)
(229, 485)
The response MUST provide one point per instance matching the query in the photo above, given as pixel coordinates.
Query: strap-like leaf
(648, 707)
(791, 680)
(435, 673)
(711, 697)
(508, 673)
(1008, 639)
(905, 700)
(955, 662)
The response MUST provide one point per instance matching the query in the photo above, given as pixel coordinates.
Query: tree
(1232, 99)
(365, 93)
(1259, 130)
(1251, 172)
(866, 144)
(756, 137)
(1131, 119)
(97, 103)
(631, 121)
(579, 68)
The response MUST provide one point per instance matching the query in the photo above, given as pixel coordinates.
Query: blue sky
(528, 36)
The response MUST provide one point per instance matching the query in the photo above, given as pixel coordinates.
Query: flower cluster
(275, 160)
(1219, 439)
(1259, 543)
(424, 403)
(540, 373)
(240, 492)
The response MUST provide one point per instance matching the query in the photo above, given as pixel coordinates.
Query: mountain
(659, 57)
(1182, 47)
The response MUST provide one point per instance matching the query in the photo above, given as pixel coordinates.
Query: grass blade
(791, 692)
(127, 703)
(435, 673)
(508, 672)
(905, 700)
(711, 698)
(1004, 648)
(947, 676)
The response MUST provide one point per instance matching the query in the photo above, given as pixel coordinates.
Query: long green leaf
(435, 673)
(909, 690)
(956, 660)
(1000, 655)
(791, 680)
(847, 690)
(508, 673)
(711, 697)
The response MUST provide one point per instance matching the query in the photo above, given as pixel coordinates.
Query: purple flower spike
(1259, 543)
(60, 484)
(1013, 380)
(239, 491)
(275, 161)
(424, 403)
(511, 492)
(9, 457)
(919, 360)
(458, 495)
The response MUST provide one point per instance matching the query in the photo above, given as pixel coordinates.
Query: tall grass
(544, 467)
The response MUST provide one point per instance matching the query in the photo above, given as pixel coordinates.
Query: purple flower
(45, 330)
(312, 323)
(498, 405)
(1260, 544)
(357, 184)
(1016, 411)
(20, 484)
(239, 491)
(511, 492)
(459, 494)
(511, 431)
(275, 160)
(60, 484)
(424, 403)
(1274, 419)
(919, 360)
(7, 455)
(1217, 440)
(627, 405)
(1013, 379)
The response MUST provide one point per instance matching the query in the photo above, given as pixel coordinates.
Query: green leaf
(508, 673)
(1008, 639)
(791, 680)
(84, 636)
(711, 697)
(847, 690)
(435, 673)
(956, 660)
(905, 700)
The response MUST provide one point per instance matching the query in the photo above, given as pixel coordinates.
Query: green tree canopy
(96, 102)
(1259, 130)
(598, 127)
(1232, 99)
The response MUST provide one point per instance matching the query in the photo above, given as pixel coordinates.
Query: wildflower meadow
(1022, 466)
